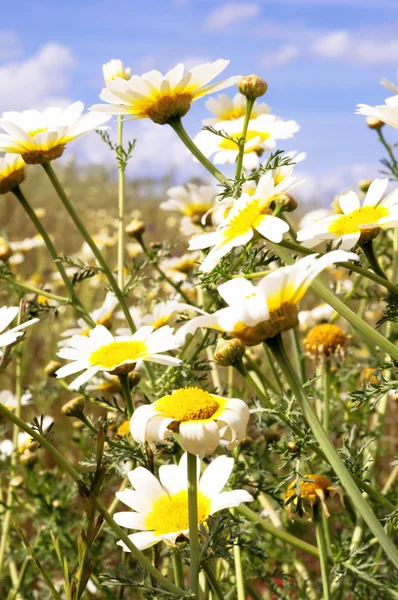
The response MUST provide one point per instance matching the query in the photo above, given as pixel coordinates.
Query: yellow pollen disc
(244, 220)
(325, 339)
(116, 353)
(309, 489)
(36, 131)
(189, 404)
(198, 209)
(169, 514)
(361, 216)
(226, 144)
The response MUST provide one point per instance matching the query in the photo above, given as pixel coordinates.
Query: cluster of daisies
(252, 314)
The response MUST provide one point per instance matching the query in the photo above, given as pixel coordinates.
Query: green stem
(327, 381)
(178, 569)
(125, 385)
(121, 232)
(331, 454)
(53, 253)
(369, 251)
(13, 593)
(194, 552)
(298, 354)
(266, 383)
(240, 580)
(388, 147)
(249, 379)
(249, 107)
(34, 290)
(184, 137)
(212, 579)
(323, 559)
(63, 463)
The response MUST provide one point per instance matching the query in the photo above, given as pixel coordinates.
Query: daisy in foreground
(357, 224)
(250, 213)
(387, 113)
(40, 137)
(160, 508)
(257, 313)
(201, 419)
(162, 98)
(101, 351)
(7, 315)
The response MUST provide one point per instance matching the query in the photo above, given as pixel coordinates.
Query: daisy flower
(357, 224)
(314, 490)
(113, 69)
(162, 98)
(101, 351)
(7, 315)
(10, 401)
(160, 507)
(280, 173)
(262, 134)
(192, 200)
(101, 316)
(40, 137)
(24, 246)
(256, 313)
(12, 172)
(179, 268)
(387, 113)
(201, 419)
(225, 108)
(161, 315)
(248, 214)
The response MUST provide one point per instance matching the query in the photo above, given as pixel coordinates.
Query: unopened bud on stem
(252, 86)
(229, 353)
(74, 408)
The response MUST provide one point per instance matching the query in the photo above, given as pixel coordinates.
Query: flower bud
(134, 379)
(364, 185)
(286, 202)
(74, 408)
(374, 123)
(123, 369)
(229, 353)
(252, 86)
(135, 228)
(52, 368)
(292, 446)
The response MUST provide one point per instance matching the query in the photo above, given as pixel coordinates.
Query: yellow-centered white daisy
(387, 113)
(162, 98)
(160, 506)
(100, 316)
(201, 419)
(248, 214)
(256, 313)
(179, 268)
(357, 223)
(10, 400)
(262, 134)
(225, 108)
(101, 351)
(40, 137)
(162, 314)
(115, 68)
(12, 172)
(7, 315)
(192, 200)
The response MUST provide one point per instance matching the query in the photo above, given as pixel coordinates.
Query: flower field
(199, 389)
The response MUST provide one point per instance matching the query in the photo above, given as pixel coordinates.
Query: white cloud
(33, 82)
(230, 13)
(356, 48)
(10, 45)
(284, 55)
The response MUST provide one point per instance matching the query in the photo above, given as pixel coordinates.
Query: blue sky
(319, 57)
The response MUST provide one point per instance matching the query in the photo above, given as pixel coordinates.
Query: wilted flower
(324, 341)
(7, 315)
(162, 98)
(12, 172)
(200, 418)
(357, 224)
(257, 313)
(312, 492)
(40, 137)
(247, 215)
(160, 508)
(101, 351)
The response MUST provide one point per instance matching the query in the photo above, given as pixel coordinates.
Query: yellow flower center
(116, 353)
(123, 429)
(325, 339)
(310, 489)
(34, 132)
(169, 514)
(160, 322)
(197, 209)
(244, 220)
(226, 144)
(189, 404)
(184, 266)
(361, 216)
